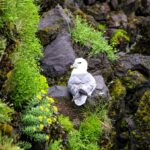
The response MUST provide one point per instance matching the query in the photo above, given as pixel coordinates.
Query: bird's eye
(79, 62)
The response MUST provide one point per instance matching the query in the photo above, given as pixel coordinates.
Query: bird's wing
(88, 84)
(82, 82)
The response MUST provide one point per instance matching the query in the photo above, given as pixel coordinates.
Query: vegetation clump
(39, 117)
(66, 123)
(85, 35)
(5, 112)
(117, 90)
(118, 36)
(6, 143)
(142, 119)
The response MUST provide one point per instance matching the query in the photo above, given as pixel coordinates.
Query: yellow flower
(41, 126)
(55, 108)
(49, 120)
(51, 100)
(39, 97)
(41, 108)
(47, 137)
(34, 128)
(47, 110)
(48, 105)
(54, 119)
(43, 92)
(40, 118)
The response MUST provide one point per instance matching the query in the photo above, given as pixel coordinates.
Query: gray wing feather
(85, 82)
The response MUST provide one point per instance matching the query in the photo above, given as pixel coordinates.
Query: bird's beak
(71, 66)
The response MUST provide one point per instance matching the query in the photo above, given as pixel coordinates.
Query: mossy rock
(118, 90)
(142, 119)
(48, 34)
(133, 79)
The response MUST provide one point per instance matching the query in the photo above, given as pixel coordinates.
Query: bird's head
(80, 64)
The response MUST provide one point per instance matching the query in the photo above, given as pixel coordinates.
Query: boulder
(59, 92)
(114, 4)
(99, 10)
(117, 20)
(146, 26)
(101, 65)
(145, 7)
(58, 56)
(89, 2)
(129, 6)
(51, 23)
(101, 93)
(133, 62)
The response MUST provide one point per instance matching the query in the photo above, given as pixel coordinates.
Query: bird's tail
(80, 100)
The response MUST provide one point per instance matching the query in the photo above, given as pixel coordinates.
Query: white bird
(81, 83)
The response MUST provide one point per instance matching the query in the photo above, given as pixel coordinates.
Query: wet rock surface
(58, 56)
(133, 62)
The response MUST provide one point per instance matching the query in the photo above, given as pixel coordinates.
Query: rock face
(101, 91)
(118, 19)
(51, 23)
(89, 2)
(58, 56)
(130, 94)
(133, 62)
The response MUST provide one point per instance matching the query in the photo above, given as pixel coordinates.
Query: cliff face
(128, 23)
(125, 25)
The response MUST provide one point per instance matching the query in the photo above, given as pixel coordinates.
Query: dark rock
(99, 11)
(117, 20)
(59, 92)
(46, 5)
(51, 23)
(58, 56)
(130, 101)
(89, 2)
(140, 35)
(146, 27)
(133, 62)
(114, 4)
(129, 6)
(101, 65)
(101, 93)
(145, 7)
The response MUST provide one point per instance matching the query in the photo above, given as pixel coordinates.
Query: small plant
(88, 36)
(87, 136)
(5, 112)
(118, 36)
(75, 141)
(90, 128)
(7, 143)
(56, 145)
(101, 27)
(39, 117)
(66, 123)
(25, 145)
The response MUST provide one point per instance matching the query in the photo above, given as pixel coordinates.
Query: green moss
(117, 90)
(133, 78)
(142, 120)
